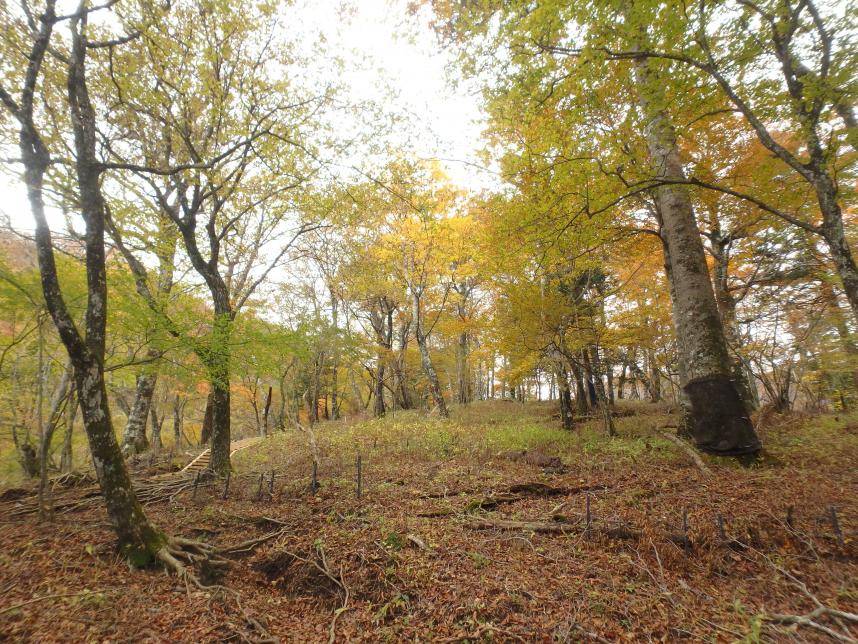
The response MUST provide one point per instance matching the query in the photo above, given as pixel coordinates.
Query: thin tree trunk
(134, 439)
(47, 433)
(425, 357)
(178, 409)
(379, 408)
(156, 429)
(66, 463)
(266, 411)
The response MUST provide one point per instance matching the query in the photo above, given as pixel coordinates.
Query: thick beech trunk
(581, 405)
(208, 420)
(137, 538)
(835, 238)
(721, 423)
(219, 366)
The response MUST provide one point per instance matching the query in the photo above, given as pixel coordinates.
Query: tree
(224, 171)
(138, 538)
(633, 169)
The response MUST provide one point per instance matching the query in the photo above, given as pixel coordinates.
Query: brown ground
(388, 574)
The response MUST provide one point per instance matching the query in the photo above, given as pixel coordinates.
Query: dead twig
(809, 620)
(685, 447)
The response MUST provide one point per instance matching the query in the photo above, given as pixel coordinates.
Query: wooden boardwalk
(201, 462)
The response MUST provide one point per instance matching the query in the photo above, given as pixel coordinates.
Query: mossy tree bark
(137, 537)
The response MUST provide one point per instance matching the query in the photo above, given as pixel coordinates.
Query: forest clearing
(416, 556)
(428, 320)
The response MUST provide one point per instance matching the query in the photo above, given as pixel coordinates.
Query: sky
(385, 44)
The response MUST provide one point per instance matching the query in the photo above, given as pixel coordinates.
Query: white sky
(389, 43)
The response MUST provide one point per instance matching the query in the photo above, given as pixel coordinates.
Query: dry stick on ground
(820, 610)
(695, 458)
(322, 565)
(34, 600)
(250, 544)
(809, 621)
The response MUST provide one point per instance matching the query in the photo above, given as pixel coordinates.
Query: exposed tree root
(183, 556)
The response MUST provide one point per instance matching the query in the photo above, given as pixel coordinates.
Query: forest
(428, 320)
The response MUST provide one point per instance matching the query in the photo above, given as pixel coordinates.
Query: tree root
(183, 556)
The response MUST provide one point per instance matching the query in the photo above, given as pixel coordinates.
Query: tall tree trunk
(134, 438)
(266, 411)
(463, 388)
(47, 433)
(379, 408)
(400, 381)
(589, 379)
(835, 238)
(653, 383)
(580, 393)
(565, 398)
(66, 462)
(208, 420)
(157, 423)
(178, 412)
(137, 537)
(219, 368)
(425, 357)
(335, 357)
(721, 423)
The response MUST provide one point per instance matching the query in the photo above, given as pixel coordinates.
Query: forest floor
(453, 539)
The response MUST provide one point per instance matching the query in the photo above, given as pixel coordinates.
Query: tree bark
(721, 423)
(565, 397)
(378, 388)
(137, 538)
(425, 357)
(134, 439)
(178, 413)
(66, 462)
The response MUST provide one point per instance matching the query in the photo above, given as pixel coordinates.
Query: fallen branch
(618, 531)
(695, 458)
(34, 600)
(809, 620)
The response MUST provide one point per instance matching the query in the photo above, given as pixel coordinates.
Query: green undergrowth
(477, 432)
(486, 430)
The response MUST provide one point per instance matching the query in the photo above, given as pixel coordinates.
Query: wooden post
(226, 485)
(359, 475)
(259, 489)
(835, 524)
(196, 485)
